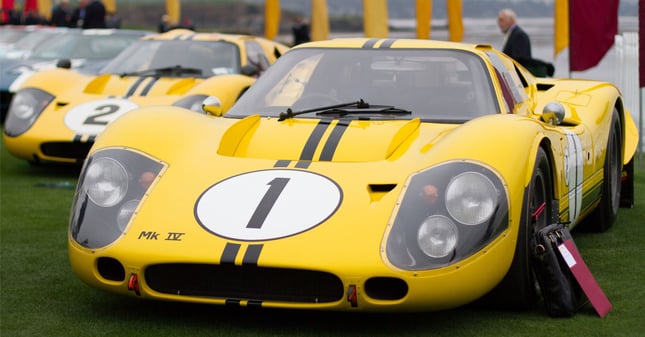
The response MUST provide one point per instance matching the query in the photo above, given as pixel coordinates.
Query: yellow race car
(356, 175)
(55, 115)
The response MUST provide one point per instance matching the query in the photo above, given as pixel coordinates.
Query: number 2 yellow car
(57, 114)
(354, 175)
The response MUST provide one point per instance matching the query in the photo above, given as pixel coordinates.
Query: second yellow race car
(57, 114)
(356, 175)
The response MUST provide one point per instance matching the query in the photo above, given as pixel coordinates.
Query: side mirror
(64, 64)
(212, 106)
(250, 70)
(553, 113)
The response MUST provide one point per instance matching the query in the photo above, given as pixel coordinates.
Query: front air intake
(244, 282)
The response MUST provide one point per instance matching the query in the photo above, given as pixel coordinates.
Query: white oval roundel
(92, 117)
(267, 205)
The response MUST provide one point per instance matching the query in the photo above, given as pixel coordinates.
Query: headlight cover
(193, 103)
(26, 106)
(446, 214)
(111, 186)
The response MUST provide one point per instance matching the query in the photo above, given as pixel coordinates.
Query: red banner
(7, 5)
(592, 27)
(30, 5)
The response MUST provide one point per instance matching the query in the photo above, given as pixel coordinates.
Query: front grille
(71, 150)
(245, 282)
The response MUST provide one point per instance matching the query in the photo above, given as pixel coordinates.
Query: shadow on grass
(258, 321)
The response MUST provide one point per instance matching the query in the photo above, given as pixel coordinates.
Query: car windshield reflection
(209, 57)
(434, 85)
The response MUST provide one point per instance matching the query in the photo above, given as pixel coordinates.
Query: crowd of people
(86, 14)
(93, 14)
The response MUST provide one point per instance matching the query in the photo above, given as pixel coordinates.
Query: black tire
(519, 290)
(604, 216)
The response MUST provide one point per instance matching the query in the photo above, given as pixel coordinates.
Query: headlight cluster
(193, 103)
(26, 106)
(447, 213)
(110, 188)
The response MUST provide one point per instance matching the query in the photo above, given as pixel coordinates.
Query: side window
(255, 55)
(512, 85)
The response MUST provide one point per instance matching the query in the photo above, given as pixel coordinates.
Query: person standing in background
(517, 44)
(94, 15)
(300, 31)
(164, 24)
(60, 14)
(78, 15)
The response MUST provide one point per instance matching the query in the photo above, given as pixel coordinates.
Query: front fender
(50, 80)
(164, 132)
(507, 142)
(228, 88)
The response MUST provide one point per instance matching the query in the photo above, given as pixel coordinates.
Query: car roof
(393, 43)
(186, 34)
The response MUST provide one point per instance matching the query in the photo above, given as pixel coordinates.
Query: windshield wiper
(343, 109)
(165, 71)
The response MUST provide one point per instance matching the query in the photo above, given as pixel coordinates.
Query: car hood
(15, 73)
(316, 140)
(127, 86)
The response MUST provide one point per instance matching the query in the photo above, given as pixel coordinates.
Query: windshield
(432, 84)
(83, 46)
(211, 57)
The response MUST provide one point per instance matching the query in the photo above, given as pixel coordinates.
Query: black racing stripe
(77, 138)
(370, 43)
(233, 302)
(332, 143)
(229, 253)
(134, 87)
(303, 164)
(254, 304)
(252, 255)
(387, 43)
(149, 86)
(314, 140)
(282, 163)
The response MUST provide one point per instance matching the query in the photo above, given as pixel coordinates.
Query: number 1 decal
(276, 186)
(267, 205)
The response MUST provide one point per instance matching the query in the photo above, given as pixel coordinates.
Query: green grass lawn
(42, 297)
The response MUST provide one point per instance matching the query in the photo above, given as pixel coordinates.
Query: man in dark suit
(60, 14)
(517, 43)
(94, 15)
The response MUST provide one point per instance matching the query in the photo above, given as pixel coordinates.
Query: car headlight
(437, 236)
(26, 106)
(193, 103)
(111, 186)
(447, 213)
(106, 182)
(471, 198)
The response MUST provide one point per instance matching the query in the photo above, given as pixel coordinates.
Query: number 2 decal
(104, 110)
(267, 205)
(92, 117)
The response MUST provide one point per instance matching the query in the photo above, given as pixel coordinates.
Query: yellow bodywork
(90, 92)
(371, 167)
